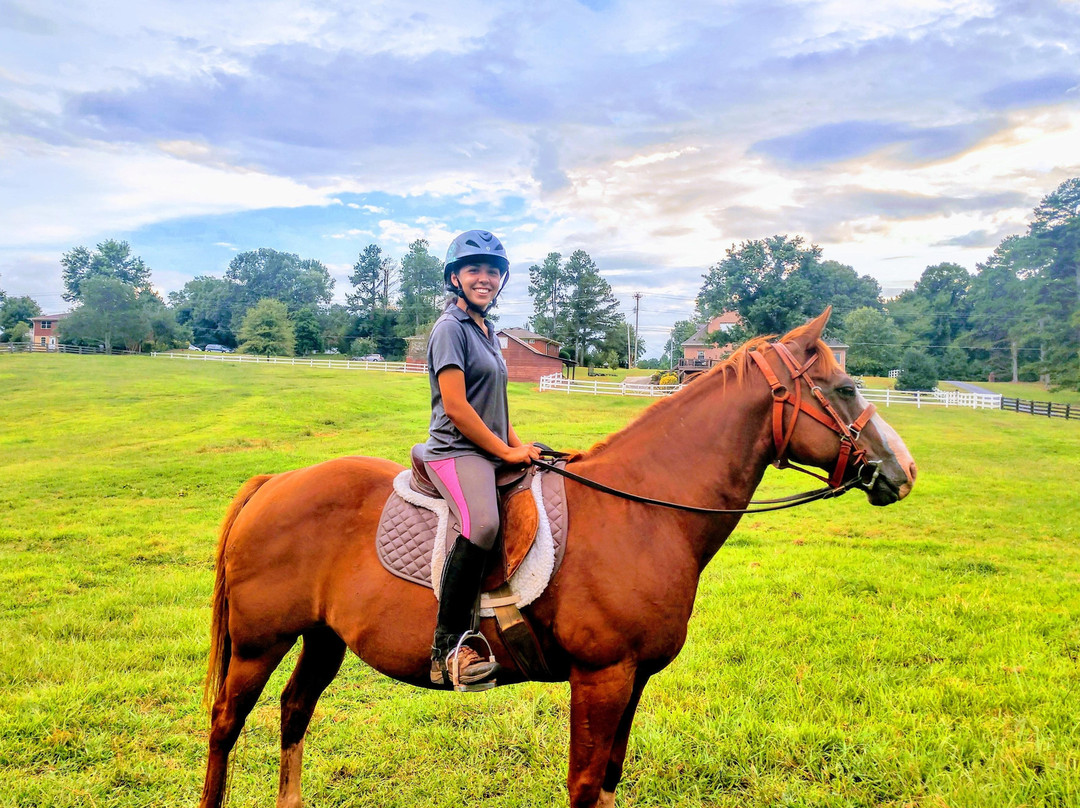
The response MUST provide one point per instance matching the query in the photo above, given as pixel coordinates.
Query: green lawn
(1032, 391)
(926, 654)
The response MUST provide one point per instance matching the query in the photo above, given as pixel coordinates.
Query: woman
(470, 435)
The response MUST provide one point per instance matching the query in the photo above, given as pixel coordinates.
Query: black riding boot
(463, 573)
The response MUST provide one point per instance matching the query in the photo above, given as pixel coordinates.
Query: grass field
(926, 654)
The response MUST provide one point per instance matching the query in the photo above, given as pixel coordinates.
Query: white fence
(556, 382)
(934, 398)
(937, 398)
(303, 361)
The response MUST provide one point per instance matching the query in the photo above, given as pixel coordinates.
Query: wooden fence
(1047, 409)
(27, 347)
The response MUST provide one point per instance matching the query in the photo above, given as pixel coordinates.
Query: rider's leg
(467, 483)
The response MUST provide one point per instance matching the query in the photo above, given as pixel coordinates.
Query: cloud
(1032, 92)
(837, 142)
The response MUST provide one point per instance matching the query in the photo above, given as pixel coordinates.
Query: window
(504, 341)
(43, 340)
(700, 354)
(46, 324)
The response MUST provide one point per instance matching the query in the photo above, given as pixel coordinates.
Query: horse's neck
(707, 447)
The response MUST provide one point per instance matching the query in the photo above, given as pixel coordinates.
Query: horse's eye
(846, 391)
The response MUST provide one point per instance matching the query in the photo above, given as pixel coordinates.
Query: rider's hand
(522, 455)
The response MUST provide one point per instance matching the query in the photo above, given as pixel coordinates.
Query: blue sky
(653, 135)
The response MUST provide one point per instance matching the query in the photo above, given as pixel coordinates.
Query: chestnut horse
(296, 557)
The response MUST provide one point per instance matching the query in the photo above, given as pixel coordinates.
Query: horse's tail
(218, 665)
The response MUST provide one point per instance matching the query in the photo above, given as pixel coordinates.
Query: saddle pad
(406, 538)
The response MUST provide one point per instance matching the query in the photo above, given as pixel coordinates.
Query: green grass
(1033, 391)
(926, 654)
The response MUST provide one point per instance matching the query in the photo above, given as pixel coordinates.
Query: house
(529, 356)
(43, 329)
(699, 353)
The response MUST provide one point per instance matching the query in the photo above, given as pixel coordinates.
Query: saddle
(518, 516)
(417, 528)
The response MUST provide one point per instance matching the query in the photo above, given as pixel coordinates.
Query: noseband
(783, 396)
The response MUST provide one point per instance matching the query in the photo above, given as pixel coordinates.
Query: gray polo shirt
(457, 341)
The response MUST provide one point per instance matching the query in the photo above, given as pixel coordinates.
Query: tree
(362, 346)
(838, 285)
(1049, 256)
(873, 341)
(265, 273)
(370, 279)
(422, 288)
(163, 330)
(760, 280)
(1000, 310)
(919, 371)
(935, 314)
(16, 310)
(266, 330)
(206, 305)
(591, 309)
(308, 332)
(616, 343)
(112, 259)
(109, 313)
(547, 288)
(778, 283)
(20, 332)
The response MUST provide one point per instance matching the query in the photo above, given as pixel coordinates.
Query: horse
(296, 556)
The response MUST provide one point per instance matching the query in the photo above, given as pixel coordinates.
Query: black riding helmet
(473, 247)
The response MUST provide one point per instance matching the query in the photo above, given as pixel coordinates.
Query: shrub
(669, 379)
(919, 371)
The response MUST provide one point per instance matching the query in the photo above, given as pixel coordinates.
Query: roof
(835, 343)
(725, 318)
(525, 334)
(51, 316)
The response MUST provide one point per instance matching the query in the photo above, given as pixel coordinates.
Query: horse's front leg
(618, 748)
(599, 702)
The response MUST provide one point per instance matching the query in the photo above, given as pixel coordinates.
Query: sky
(653, 135)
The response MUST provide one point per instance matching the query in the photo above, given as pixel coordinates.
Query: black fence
(1047, 409)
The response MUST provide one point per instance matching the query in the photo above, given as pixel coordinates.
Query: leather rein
(850, 452)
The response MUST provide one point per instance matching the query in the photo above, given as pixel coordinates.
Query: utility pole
(637, 308)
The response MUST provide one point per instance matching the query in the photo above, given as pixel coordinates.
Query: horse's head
(843, 434)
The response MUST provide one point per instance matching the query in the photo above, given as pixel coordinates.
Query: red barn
(529, 356)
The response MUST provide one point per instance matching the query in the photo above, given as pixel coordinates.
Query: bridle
(850, 452)
(782, 396)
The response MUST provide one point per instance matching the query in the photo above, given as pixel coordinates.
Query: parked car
(194, 348)
(213, 347)
(372, 357)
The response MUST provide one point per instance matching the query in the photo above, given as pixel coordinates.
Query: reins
(849, 450)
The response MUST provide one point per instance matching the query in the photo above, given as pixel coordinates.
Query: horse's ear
(810, 333)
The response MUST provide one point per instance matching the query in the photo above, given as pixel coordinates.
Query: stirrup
(455, 669)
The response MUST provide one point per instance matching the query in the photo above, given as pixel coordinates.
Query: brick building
(43, 330)
(529, 356)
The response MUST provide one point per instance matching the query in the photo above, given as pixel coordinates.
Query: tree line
(1017, 317)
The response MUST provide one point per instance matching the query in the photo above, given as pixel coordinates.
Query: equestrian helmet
(474, 246)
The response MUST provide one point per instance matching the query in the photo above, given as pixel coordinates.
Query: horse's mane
(735, 368)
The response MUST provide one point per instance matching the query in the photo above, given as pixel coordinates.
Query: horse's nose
(912, 472)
